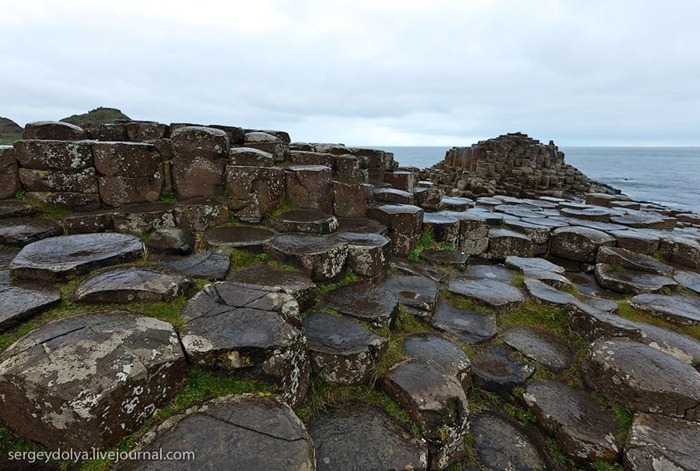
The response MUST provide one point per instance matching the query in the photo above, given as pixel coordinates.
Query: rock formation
(284, 305)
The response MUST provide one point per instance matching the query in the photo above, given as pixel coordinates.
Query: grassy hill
(98, 115)
(9, 131)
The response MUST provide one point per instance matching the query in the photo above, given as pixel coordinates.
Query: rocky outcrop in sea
(267, 304)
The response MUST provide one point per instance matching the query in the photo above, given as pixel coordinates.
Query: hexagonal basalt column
(341, 350)
(368, 253)
(322, 258)
(405, 223)
(250, 333)
(200, 156)
(89, 380)
(310, 187)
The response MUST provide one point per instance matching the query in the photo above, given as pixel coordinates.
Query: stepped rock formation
(285, 305)
(512, 164)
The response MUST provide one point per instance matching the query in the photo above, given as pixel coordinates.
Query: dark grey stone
(362, 437)
(442, 353)
(171, 241)
(256, 433)
(540, 345)
(499, 445)
(322, 258)
(656, 443)
(497, 370)
(210, 265)
(272, 279)
(65, 257)
(416, 293)
(129, 284)
(490, 292)
(643, 378)
(23, 231)
(250, 333)
(18, 303)
(310, 221)
(341, 350)
(582, 428)
(675, 308)
(365, 301)
(468, 326)
(251, 239)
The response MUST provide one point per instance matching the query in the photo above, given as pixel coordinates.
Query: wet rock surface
(497, 370)
(674, 308)
(442, 353)
(470, 327)
(365, 301)
(18, 303)
(96, 377)
(360, 437)
(268, 278)
(251, 239)
(341, 350)
(20, 232)
(658, 442)
(643, 378)
(249, 332)
(623, 280)
(490, 292)
(125, 285)
(65, 257)
(309, 221)
(321, 258)
(540, 345)
(254, 432)
(584, 429)
(437, 404)
(210, 265)
(416, 293)
(500, 445)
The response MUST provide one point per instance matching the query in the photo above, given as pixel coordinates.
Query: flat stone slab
(252, 432)
(212, 265)
(491, 272)
(533, 263)
(635, 261)
(547, 294)
(640, 220)
(637, 241)
(578, 243)
(540, 345)
(17, 209)
(468, 326)
(450, 258)
(589, 214)
(656, 442)
(65, 257)
(442, 353)
(311, 221)
(363, 437)
(490, 292)
(365, 301)
(362, 225)
(627, 281)
(583, 429)
(129, 284)
(504, 243)
(322, 258)
(89, 380)
(674, 308)
(497, 370)
(272, 279)
(500, 445)
(249, 332)
(416, 293)
(689, 280)
(23, 231)
(251, 239)
(643, 378)
(594, 323)
(341, 350)
(437, 404)
(18, 303)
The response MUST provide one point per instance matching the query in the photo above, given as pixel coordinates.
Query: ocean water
(664, 175)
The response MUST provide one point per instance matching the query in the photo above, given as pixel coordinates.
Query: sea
(665, 175)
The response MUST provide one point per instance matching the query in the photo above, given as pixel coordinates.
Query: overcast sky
(375, 72)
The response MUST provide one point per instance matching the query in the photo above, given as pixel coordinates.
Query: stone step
(310, 221)
(341, 350)
(364, 301)
(321, 258)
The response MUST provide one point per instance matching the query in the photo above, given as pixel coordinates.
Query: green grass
(98, 115)
(534, 314)
(523, 416)
(558, 456)
(464, 303)
(242, 258)
(10, 139)
(285, 205)
(426, 241)
(167, 196)
(605, 466)
(349, 277)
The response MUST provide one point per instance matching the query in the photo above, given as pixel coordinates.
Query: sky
(366, 72)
